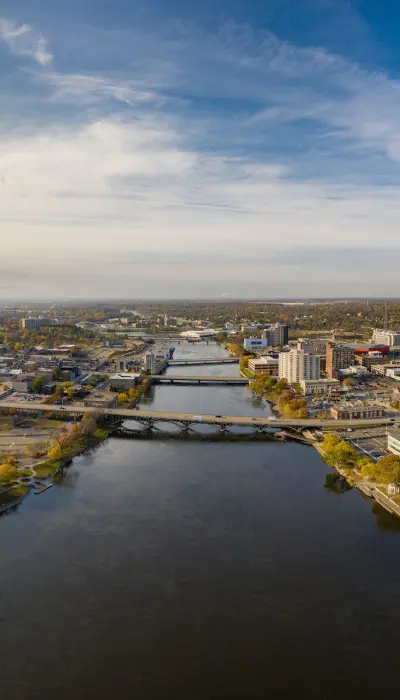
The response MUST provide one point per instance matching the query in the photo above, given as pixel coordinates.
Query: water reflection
(385, 521)
(337, 484)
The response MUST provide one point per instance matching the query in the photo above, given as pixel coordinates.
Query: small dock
(41, 489)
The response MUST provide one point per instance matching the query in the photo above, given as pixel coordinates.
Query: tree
(8, 473)
(329, 442)
(38, 383)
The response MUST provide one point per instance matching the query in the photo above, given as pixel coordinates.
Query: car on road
(197, 417)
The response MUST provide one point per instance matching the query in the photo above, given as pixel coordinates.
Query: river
(192, 570)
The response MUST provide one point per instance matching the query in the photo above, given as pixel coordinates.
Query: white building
(264, 364)
(394, 442)
(296, 365)
(313, 387)
(383, 337)
(255, 344)
(199, 335)
(393, 373)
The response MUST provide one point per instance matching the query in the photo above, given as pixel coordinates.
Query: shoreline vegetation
(16, 483)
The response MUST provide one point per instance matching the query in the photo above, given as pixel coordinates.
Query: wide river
(196, 570)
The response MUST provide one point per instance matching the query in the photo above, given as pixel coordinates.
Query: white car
(197, 417)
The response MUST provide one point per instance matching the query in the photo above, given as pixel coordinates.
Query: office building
(393, 443)
(319, 387)
(338, 357)
(296, 365)
(150, 363)
(255, 344)
(315, 346)
(384, 337)
(35, 323)
(264, 364)
(349, 412)
(122, 382)
(277, 335)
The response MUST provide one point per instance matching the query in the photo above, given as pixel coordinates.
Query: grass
(50, 466)
(47, 468)
(10, 495)
(24, 472)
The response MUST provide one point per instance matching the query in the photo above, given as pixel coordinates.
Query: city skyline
(230, 150)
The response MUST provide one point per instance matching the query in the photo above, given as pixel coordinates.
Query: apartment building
(338, 357)
(297, 365)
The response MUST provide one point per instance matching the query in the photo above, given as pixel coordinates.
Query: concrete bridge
(203, 361)
(198, 380)
(151, 418)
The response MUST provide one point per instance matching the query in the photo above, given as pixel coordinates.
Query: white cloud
(126, 176)
(24, 40)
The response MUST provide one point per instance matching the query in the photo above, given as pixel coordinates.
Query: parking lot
(369, 442)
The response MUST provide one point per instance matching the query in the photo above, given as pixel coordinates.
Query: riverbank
(354, 478)
(14, 494)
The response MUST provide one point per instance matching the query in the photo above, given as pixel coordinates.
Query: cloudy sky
(157, 148)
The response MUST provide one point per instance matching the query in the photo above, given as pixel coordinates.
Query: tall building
(338, 357)
(150, 362)
(33, 323)
(277, 334)
(296, 365)
(384, 337)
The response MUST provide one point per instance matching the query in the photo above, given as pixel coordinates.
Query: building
(370, 359)
(255, 344)
(393, 443)
(338, 357)
(105, 399)
(150, 363)
(33, 323)
(122, 382)
(22, 383)
(314, 346)
(318, 387)
(350, 412)
(264, 364)
(393, 373)
(199, 335)
(296, 365)
(277, 335)
(384, 337)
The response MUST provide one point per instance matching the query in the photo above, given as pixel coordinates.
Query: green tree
(38, 384)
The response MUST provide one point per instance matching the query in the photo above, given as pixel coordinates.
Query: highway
(165, 416)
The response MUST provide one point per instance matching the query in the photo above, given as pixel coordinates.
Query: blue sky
(184, 149)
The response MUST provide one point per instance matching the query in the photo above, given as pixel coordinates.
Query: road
(128, 413)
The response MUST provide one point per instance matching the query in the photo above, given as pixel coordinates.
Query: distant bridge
(198, 380)
(203, 361)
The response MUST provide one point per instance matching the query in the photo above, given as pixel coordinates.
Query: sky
(165, 148)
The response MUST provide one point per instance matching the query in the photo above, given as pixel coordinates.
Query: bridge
(172, 379)
(184, 420)
(203, 361)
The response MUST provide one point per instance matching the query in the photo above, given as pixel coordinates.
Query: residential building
(393, 442)
(318, 387)
(33, 323)
(264, 364)
(296, 365)
(122, 382)
(338, 357)
(350, 412)
(385, 337)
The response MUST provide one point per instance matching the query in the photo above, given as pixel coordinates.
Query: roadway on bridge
(201, 379)
(166, 416)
